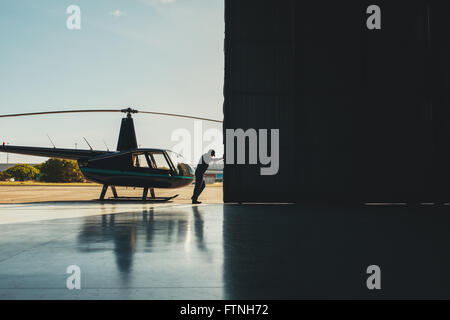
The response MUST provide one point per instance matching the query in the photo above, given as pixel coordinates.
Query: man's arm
(216, 159)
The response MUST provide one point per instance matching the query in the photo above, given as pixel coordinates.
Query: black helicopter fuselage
(152, 168)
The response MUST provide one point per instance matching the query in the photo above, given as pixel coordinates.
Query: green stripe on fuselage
(129, 173)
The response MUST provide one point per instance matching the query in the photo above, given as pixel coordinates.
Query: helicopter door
(159, 161)
(140, 161)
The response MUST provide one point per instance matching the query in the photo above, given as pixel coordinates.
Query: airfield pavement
(61, 193)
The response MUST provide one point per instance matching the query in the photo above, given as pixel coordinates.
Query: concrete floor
(181, 251)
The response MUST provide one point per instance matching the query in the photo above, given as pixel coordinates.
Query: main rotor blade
(107, 110)
(179, 116)
(55, 112)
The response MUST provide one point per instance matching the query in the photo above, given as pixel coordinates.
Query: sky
(152, 55)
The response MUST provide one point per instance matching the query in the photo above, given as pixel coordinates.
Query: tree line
(53, 170)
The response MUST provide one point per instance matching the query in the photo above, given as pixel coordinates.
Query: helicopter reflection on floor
(225, 251)
(128, 235)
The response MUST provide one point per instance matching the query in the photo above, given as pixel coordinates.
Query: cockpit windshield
(182, 168)
(159, 160)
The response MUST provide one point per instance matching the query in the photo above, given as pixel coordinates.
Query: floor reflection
(125, 234)
(230, 251)
(319, 252)
(198, 229)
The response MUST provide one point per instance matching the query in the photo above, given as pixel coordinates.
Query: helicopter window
(140, 161)
(180, 164)
(160, 161)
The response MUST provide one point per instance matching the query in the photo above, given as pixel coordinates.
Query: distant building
(214, 173)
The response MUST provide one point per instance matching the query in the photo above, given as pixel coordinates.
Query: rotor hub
(129, 111)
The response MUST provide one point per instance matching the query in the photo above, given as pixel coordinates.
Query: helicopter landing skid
(144, 197)
(138, 199)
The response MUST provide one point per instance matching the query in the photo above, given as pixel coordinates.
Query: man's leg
(201, 188)
(198, 186)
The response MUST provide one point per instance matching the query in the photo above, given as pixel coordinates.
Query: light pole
(7, 155)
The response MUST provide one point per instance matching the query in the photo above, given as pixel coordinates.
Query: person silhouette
(202, 166)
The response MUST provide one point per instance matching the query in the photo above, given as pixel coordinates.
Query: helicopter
(128, 166)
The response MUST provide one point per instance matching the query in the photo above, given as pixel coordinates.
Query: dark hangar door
(363, 114)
